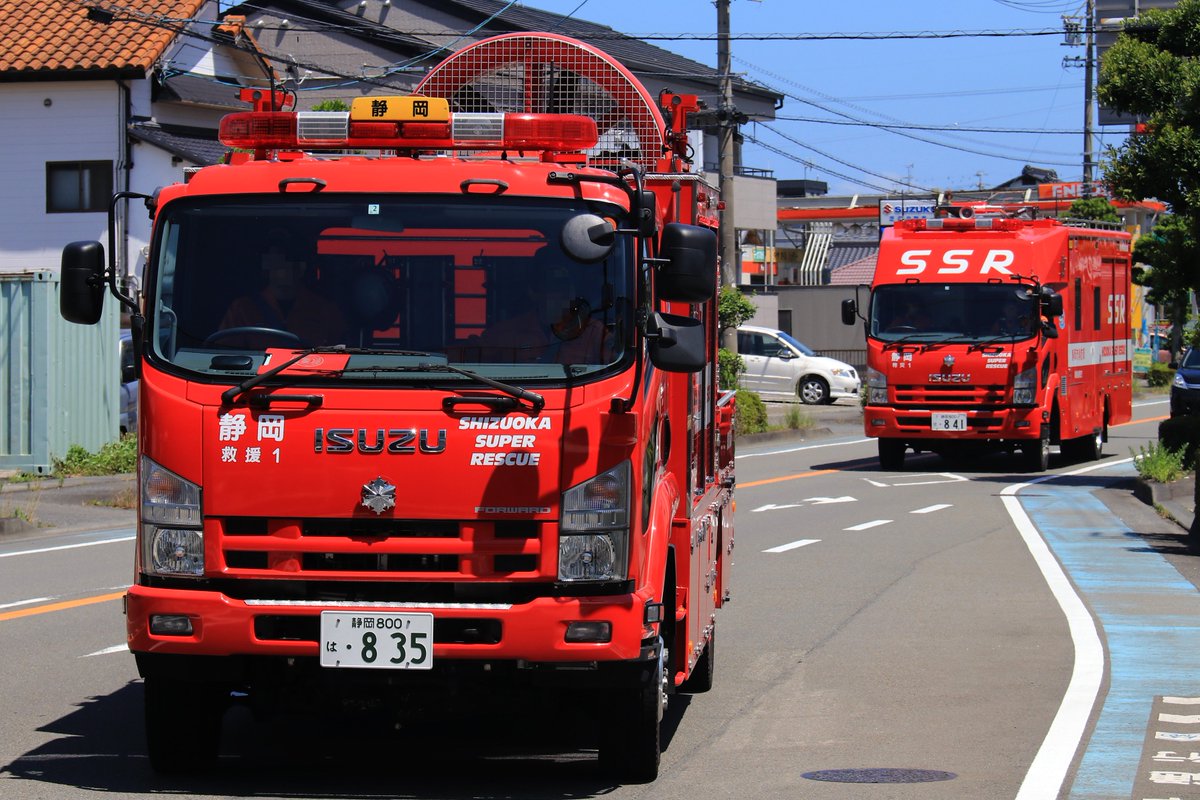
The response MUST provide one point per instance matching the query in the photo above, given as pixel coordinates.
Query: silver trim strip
(359, 604)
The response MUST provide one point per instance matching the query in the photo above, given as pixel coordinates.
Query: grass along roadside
(20, 508)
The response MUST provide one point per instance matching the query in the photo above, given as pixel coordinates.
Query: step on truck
(988, 328)
(429, 408)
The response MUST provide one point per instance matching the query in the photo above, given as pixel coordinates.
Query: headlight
(172, 537)
(593, 536)
(1024, 387)
(1178, 381)
(876, 387)
(844, 373)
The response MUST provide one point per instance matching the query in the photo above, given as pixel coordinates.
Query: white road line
(31, 601)
(1045, 777)
(931, 509)
(783, 548)
(875, 523)
(116, 648)
(741, 456)
(65, 547)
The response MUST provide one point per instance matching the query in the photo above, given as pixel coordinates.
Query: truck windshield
(477, 282)
(959, 312)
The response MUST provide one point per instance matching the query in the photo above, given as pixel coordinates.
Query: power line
(946, 128)
(832, 157)
(895, 126)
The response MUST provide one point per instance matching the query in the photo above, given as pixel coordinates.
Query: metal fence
(59, 382)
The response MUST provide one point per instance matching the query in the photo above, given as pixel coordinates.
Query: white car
(780, 368)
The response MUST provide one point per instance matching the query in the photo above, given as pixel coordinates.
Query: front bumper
(844, 387)
(1009, 424)
(532, 631)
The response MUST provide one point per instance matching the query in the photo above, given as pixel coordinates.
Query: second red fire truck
(987, 328)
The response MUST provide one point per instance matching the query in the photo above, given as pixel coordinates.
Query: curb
(1176, 499)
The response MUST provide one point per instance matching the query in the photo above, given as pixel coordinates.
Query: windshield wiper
(234, 392)
(533, 398)
(1000, 337)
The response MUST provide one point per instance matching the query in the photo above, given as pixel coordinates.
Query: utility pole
(731, 256)
(1088, 71)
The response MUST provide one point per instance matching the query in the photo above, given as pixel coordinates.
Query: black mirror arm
(125, 299)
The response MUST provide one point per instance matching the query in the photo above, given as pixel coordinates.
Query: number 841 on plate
(376, 640)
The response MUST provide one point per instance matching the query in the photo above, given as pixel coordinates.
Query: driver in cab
(285, 309)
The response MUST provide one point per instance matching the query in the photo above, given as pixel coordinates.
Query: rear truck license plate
(376, 640)
(948, 422)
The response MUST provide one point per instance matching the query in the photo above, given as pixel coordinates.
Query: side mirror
(1052, 302)
(849, 312)
(690, 272)
(1049, 329)
(81, 283)
(678, 344)
(785, 353)
(588, 238)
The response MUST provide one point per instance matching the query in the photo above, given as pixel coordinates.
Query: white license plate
(948, 422)
(376, 640)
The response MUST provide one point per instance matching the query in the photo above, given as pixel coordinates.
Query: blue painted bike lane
(1147, 735)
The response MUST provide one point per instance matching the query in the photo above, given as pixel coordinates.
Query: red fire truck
(429, 402)
(987, 327)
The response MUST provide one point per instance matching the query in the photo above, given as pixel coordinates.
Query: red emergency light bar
(332, 130)
(956, 224)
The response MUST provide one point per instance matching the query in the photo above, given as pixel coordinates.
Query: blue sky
(1015, 82)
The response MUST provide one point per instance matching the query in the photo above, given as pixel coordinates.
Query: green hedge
(751, 413)
(1159, 375)
(1181, 433)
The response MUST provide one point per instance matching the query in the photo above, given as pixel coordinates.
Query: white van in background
(780, 368)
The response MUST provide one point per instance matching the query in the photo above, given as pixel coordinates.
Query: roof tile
(47, 38)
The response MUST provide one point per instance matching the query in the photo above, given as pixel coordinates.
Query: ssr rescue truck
(429, 407)
(990, 328)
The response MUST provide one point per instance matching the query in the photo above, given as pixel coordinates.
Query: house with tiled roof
(86, 116)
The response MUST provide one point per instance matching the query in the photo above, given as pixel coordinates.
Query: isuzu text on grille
(395, 441)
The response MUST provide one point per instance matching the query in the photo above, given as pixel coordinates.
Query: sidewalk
(67, 505)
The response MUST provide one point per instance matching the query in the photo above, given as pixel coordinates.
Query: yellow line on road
(63, 606)
(786, 478)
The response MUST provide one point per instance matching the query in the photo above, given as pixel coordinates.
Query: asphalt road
(906, 628)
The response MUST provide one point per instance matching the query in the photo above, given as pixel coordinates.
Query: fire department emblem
(379, 495)
(948, 362)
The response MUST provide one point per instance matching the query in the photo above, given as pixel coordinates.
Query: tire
(183, 724)
(813, 391)
(701, 679)
(1088, 448)
(1035, 453)
(631, 747)
(891, 454)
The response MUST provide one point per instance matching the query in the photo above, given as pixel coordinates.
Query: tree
(1168, 251)
(1153, 72)
(1096, 209)
(733, 308)
(331, 105)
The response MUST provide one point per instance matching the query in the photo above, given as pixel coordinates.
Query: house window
(75, 186)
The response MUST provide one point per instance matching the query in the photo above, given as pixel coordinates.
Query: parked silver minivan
(778, 367)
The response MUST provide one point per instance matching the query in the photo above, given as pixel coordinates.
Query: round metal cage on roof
(545, 73)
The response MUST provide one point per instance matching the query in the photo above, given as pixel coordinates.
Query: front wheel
(813, 391)
(1035, 453)
(891, 454)
(183, 724)
(631, 748)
